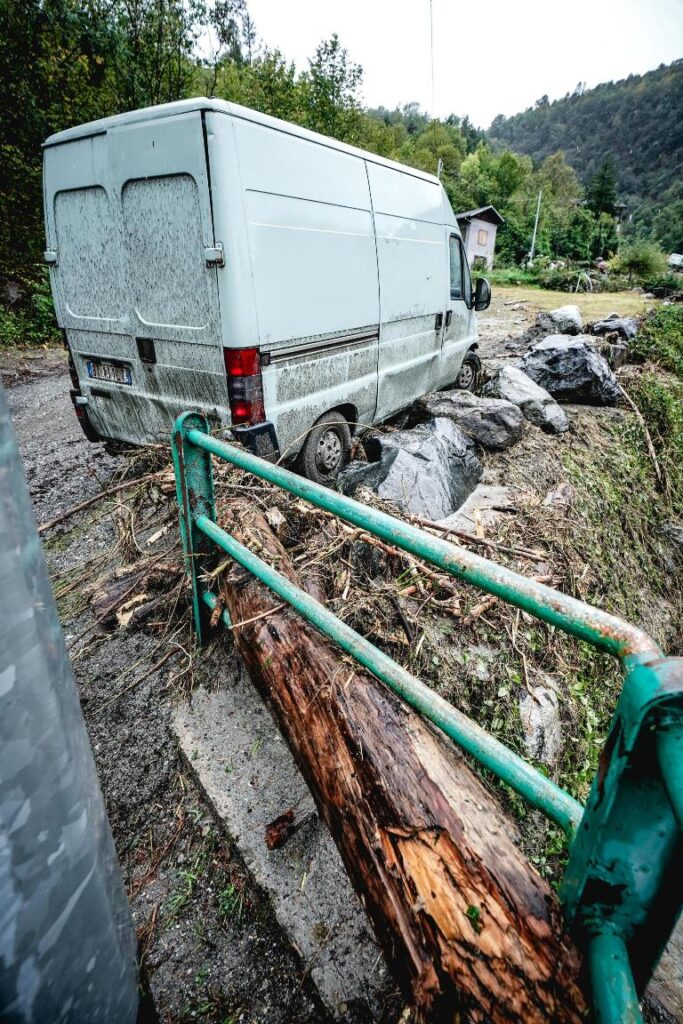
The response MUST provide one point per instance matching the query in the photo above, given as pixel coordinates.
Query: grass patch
(660, 399)
(593, 306)
(512, 276)
(660, 339)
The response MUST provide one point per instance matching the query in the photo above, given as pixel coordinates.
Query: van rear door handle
(438, 322)
(449, 317)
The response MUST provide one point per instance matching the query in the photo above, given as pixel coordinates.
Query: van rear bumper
(260, 440)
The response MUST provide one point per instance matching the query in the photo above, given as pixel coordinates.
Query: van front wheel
(470, 373)
(326, 450)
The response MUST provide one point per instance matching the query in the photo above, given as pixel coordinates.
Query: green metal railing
(623, 887)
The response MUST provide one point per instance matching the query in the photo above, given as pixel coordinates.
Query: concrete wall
(473, 247)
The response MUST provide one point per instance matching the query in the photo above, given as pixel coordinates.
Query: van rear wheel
(326, 449)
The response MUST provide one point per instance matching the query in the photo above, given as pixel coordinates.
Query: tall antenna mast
(431, 52)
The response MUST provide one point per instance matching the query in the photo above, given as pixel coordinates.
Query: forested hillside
(637, 120)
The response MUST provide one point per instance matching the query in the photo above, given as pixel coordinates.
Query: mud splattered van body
(205, 256)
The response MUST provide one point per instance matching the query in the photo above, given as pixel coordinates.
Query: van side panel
(130, 214)
(412, 278)
(312, 252)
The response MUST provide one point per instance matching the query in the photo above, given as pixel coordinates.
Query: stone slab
(247, 772)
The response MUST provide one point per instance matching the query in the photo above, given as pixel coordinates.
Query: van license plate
(109, 371)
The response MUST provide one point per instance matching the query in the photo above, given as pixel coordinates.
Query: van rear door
(135, 283)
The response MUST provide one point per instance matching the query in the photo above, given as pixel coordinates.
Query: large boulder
(536, 405)
(430, 470)
(570, 368)
(491, 422)
(565, 320)
(625, 326)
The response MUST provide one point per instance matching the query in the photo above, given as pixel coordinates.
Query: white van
(204, 256)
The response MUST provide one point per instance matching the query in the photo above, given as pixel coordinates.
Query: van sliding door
(412, 275)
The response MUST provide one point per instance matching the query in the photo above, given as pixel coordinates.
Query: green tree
(640, 260)
(437, 142)
(155, 41)
(330, 88)
(53, 57)
(602, 188)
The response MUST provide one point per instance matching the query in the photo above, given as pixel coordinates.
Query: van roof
(234, 110)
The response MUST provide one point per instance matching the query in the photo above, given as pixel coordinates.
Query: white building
(478, 229)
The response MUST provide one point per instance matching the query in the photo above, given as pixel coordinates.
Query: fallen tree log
(469, 928)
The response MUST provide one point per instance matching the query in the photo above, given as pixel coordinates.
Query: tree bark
(469, 928)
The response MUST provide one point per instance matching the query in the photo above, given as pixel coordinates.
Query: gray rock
(570, 368)
(491, 422)
(563, 494)
(429, 470)
(615, 352)
(625, 326)
(565, 320)
(537, 406)
(485, 507)
(539, 712)
(672, 535)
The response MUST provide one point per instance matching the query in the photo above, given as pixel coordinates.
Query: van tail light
(245, 385)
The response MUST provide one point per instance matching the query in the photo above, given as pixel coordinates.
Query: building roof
(489, 213)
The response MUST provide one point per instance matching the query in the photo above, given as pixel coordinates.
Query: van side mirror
(482, 294)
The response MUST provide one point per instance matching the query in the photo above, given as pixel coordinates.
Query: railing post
(615, 1000)
(195, 493)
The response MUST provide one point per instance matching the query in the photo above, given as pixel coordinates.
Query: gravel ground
(210, 946)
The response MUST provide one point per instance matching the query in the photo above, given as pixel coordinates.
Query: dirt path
(61, 466)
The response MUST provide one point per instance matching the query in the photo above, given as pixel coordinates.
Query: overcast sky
(492, 58)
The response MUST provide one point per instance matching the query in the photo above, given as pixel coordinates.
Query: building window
(482, 237)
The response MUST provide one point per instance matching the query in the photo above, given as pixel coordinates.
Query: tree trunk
(470, 930)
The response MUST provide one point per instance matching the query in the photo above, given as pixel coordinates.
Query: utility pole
(533, 240)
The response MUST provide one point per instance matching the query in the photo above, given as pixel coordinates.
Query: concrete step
(248, 775)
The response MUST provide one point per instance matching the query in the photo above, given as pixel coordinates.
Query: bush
(511, 276)
(660, 339)
(561, 279)
(34, 322)
(663, 286)
(639, 260)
